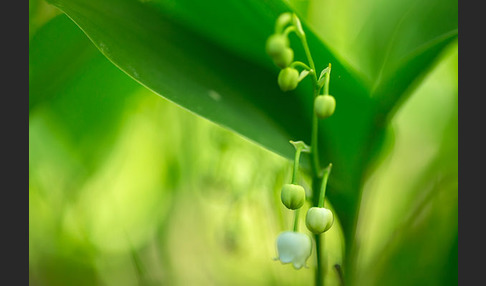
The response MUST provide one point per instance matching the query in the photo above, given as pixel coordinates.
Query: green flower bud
(284, 58)
(288, 79)
(276, 44)
(294, 247)
(319, 220)
(324, 106)
(292, 196)
(283, 20)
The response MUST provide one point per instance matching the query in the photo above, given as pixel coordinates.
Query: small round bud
(319, 220)
(294, 247)
(284, 58)
(288, 79)
(283, 20)
(276, 44)
(324, 106)
(292, 196)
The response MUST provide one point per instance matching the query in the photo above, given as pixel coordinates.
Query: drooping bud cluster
(293, 246)
(278, 48)
(283, 20)
(277, 45)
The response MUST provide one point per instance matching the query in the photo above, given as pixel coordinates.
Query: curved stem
(308, 54)
(287, 31)
(298, 63)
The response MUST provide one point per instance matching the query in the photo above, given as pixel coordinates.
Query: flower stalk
(318, 218)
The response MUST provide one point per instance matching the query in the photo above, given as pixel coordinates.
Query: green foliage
(209, 58)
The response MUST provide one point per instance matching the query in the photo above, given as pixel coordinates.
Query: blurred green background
(127, 188)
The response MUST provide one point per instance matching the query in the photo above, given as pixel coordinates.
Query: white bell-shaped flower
(294, 247)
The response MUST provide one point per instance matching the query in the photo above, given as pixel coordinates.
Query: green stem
(314, 147)
(296, 165)
(308, 54)
(321, 265)
(316, 178)
(294, 181)
(326, 82)
(319, 277)
(296, 220)
(322, 194)
(298, 63)
(315, 128)
(288, 30)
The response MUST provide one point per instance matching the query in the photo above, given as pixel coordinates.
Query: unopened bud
(293, 196)
(324, 106)
(319, 220)
(288, 79)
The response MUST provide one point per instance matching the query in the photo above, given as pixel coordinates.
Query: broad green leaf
(410, 71)
(404, 27)
(40, 13)
(392, 44)
(81, 92)
(225, 76)
(209, 58)
(425, 239)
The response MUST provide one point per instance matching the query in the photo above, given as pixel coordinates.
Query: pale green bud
(283, 20)
(276, 44)
(294, 247)
(285, 58)
(324, 106)
(288, 79)
(292, 196)
(319, 220)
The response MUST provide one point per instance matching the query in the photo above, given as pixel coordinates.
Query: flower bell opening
(294, 247)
